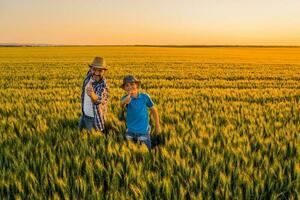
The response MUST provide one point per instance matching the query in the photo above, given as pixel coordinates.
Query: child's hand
(129, 92)
(127, 99)
(157, 130)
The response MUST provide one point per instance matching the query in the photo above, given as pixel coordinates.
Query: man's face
(97, 73)
(130, 87)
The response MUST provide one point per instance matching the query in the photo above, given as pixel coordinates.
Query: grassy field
(230, 124)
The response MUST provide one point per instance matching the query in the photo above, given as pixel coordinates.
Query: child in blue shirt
(137, 104)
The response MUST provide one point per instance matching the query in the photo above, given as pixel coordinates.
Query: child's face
(130, 87)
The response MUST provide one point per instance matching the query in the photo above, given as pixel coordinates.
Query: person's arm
(91, 93)
(105, 95)
(154, 114)
(103, 101)
(126, 100)
(101, 97)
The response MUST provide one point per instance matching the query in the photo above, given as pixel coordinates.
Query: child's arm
(154, 113)
(125, 101)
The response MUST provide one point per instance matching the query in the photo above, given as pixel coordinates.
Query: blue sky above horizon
(170, 22)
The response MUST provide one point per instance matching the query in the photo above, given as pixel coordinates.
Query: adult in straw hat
(94, 96)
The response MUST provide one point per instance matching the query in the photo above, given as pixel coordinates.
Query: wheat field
(230, 119)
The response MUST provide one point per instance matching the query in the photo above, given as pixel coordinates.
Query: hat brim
(122, 86)
(98, 67)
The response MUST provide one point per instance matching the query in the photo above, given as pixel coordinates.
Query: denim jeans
(145, 138)
(86, 122)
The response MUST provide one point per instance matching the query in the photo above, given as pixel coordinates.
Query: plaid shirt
(100, 106)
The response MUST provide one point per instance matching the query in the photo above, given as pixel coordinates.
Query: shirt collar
(100, 81)
(137, 97)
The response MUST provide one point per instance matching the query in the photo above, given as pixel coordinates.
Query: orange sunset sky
(151, 22)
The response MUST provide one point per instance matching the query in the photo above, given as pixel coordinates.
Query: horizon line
(135, 45)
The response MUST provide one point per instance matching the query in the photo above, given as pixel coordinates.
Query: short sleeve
(149, 101)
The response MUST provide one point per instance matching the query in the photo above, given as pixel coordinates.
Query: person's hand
(90, 88)
(157, 130)
(129, 92)
(127, 99)
(90, 91)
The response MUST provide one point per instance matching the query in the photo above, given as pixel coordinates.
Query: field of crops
(230, 121)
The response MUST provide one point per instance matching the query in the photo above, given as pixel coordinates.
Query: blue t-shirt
(137, 117)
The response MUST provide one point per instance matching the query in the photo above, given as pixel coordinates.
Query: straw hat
(99, 63)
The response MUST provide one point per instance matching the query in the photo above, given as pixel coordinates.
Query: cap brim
(122, 86)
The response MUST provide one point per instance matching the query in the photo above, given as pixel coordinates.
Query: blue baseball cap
(129, 79)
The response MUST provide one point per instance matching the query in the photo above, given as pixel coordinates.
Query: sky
(151, 22)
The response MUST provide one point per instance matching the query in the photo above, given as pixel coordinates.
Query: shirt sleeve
(149, 101)
(105, 96)
(102, 93)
